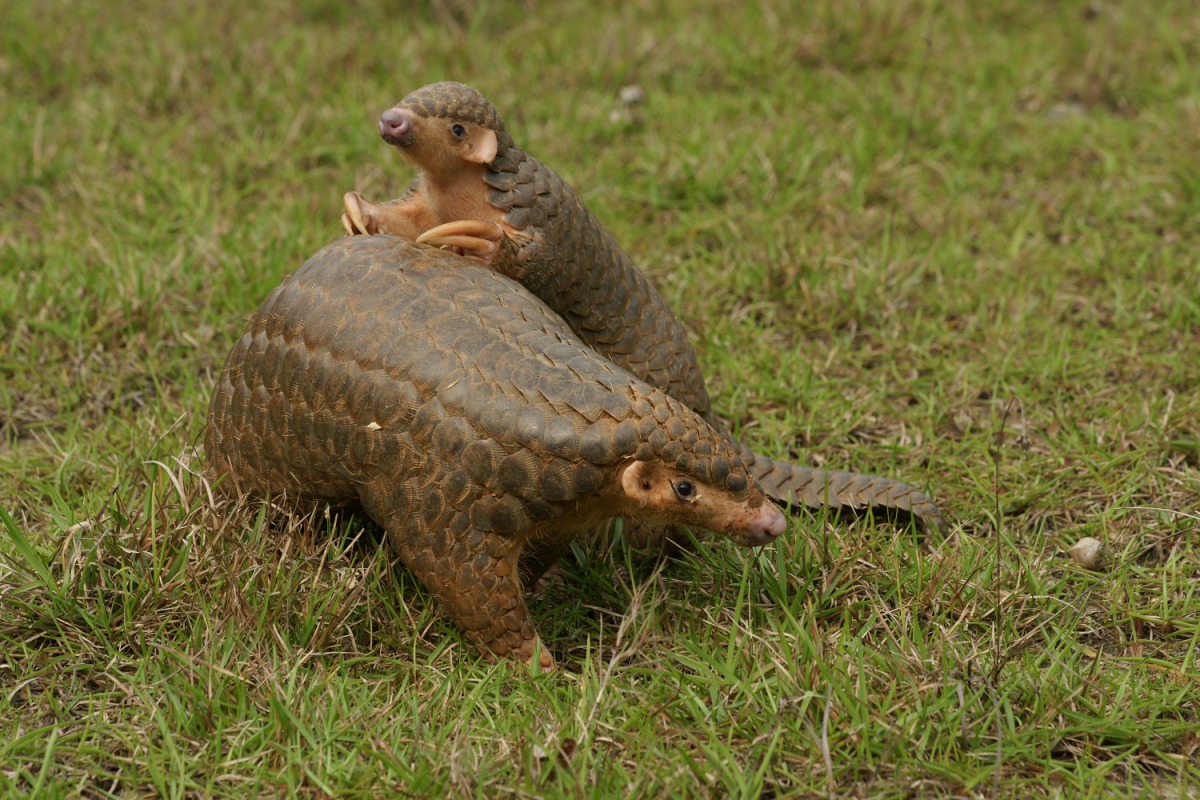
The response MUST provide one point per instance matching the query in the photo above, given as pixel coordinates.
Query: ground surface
(950, 242)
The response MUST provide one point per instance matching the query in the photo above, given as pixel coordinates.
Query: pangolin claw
(353, 220)
(475, 239)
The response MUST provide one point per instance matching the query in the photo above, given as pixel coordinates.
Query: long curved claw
(492, 231)
(473, 238)
(353, 220)
(471, 247)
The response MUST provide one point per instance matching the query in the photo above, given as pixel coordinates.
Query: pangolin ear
(483, 146)
(632, 478)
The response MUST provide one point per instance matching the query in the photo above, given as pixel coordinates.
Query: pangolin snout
(395, 126)
(767, 525)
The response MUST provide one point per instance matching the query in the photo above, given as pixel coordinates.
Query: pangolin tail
(793, 487)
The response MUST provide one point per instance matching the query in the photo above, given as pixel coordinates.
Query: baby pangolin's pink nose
(394, 124)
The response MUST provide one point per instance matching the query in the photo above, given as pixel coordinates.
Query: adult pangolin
(477, 192)
(468, 420)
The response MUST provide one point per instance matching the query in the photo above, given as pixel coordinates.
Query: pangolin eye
(685, 490)
(458, 130)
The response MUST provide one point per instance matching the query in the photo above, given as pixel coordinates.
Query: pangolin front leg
(406, 217)
(482, 241)
(476, 577)
(539, 557)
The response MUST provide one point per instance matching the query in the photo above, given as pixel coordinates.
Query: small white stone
(1089, 553)
(631, 95)
(374, 426)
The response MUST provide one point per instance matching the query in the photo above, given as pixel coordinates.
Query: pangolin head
(685, 472)
(443, 127)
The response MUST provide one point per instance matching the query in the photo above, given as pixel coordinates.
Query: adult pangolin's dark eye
(685, 490)
(458, 130)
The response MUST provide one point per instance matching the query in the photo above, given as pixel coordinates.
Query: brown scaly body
(468, 420)
(477, 192)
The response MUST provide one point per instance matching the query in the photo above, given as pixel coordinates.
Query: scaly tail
(791, 487)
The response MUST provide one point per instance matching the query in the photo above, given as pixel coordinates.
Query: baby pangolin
(468, 420)
(477, 192)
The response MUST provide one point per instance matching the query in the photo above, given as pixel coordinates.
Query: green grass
(954, 243)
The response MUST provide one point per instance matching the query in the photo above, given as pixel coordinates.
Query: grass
(949, 242)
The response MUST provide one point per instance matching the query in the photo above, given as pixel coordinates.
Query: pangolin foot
(475, 239)
(358, 218)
